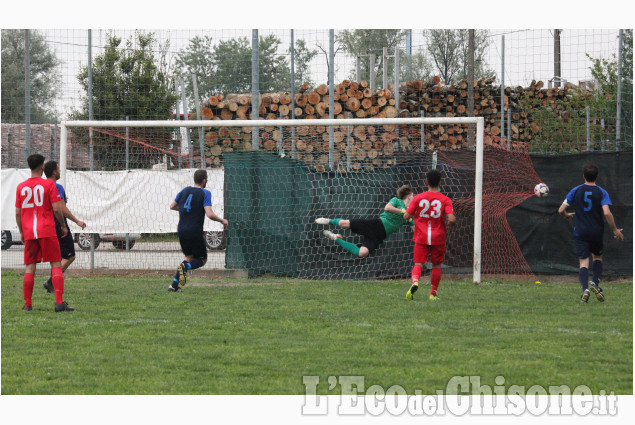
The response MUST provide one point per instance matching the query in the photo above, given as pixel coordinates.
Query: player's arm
(174, 206)
(58, 212)
(18, 219)
(617, 233)
(209, 212)
(563, 211)
(68, 214)
(451, 220)
(393, 209)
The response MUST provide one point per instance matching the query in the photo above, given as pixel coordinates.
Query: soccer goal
(272, 178)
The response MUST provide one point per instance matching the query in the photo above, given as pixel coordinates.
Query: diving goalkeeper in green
(374, 230)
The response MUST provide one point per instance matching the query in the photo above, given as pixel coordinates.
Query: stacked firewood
(360, 146)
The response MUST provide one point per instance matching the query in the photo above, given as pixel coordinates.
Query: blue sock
(584, 278)
(194, 264)
(597, 271)
(336, 221)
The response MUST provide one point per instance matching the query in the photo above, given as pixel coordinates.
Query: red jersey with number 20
(429, 210)
(35, 197)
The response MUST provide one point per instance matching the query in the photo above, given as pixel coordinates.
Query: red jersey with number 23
(35, 197)
(429, 210)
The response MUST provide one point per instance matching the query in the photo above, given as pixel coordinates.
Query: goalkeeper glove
(403, 211)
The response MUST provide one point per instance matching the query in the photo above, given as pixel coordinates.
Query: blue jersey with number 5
(589, 214)
(192, 202)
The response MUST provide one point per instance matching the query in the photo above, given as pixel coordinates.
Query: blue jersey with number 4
(589, 214)
(192, 202)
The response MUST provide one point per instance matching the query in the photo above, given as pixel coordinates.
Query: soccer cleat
(332, 236)
(48, 285)
(27, 308)
(182, 269)
(434, 298)
(411, 291)
(585, 296)
(173, 289)
(63, 307)
(322, 220)
(597, 291)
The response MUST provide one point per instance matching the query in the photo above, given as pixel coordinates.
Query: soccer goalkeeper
(374, 230)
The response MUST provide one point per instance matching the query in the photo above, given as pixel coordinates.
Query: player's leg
(32, 256)
(337, 222)
(420, 257)
(437, 255)
(67, 252)
(596, 253)
(583, 251)
(51, 254)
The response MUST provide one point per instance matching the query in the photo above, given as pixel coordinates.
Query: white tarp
(135, 201)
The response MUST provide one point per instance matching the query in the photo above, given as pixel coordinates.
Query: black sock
(584, 278)
(597, 271)
(195, 263)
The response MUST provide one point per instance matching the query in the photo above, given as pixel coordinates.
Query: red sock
(27, 287)
(58, 284)
(416, 273)
(435, 279)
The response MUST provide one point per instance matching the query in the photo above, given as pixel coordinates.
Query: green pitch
(130, 336)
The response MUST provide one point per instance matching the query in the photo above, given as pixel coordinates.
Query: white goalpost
(327, 138)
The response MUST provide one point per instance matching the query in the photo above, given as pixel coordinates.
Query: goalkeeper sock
(584, 278)
(435, 279)
(350, 247)
(597, 271)
(416, 273)
(194, 264)
(336, 221)
(27, 288)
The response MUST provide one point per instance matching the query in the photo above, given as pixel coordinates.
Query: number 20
(37, 194)
(436, 208)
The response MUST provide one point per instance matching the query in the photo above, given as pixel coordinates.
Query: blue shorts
(585, 248)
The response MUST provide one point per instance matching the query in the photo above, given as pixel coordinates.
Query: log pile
(376, 145)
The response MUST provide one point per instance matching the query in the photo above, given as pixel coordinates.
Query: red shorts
(44, 249)
(437, 253)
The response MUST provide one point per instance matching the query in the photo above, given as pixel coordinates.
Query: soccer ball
(541, 190)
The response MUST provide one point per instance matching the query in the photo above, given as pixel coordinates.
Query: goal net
(272, 179)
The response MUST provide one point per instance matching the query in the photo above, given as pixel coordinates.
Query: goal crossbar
(478, 121)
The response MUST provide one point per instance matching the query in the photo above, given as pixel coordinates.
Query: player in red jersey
(429, 210)
(37, 201)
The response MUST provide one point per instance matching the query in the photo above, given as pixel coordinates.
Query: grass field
(130, 336)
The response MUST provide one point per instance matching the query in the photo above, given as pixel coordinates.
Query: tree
(128, 81)
(605, 73)
(44, 75)
(449, 52)
(415, 66)
(232, 66)
(302, 58)
(364, 42)
(198, 59)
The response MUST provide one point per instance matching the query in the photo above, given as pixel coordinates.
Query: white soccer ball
(541, 190)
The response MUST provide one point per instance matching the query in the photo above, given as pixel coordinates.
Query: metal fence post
(55, 141)
(178, 118)
(348, 145)
(127, 145)
(384, 54)
(331, 95)
(423, 132)
(503, 87)
(255, 89)
(201, 132)
(90, 106)
(618, 116)
(588, 128)
(509, 129)
(186, 118)
(27, 93)
(396, 96)
(292, 94)
(372, 72)
(358, 69)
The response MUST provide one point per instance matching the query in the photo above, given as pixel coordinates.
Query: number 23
(436, 208)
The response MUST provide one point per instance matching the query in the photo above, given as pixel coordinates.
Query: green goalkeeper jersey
(393, 222)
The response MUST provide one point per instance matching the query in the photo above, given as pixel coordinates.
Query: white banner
(135, 201)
